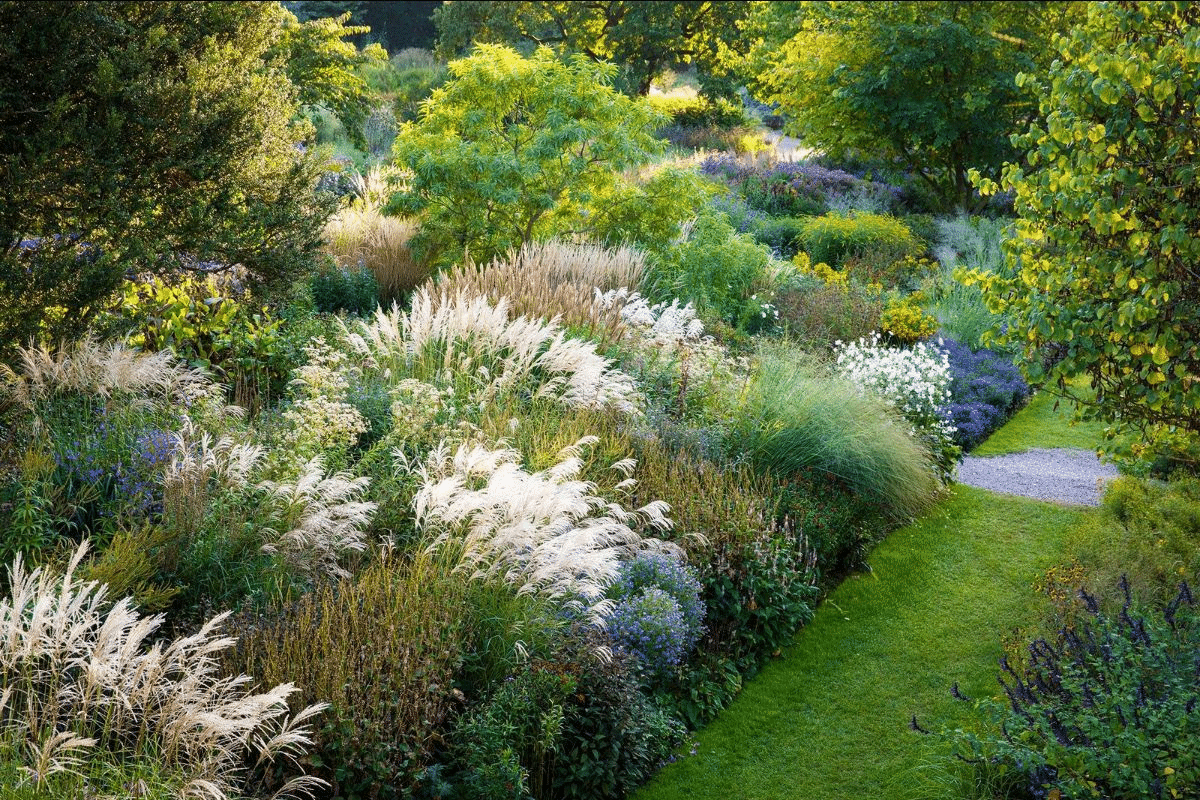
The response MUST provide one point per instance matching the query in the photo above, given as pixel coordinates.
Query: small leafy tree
(514, 149)
(1106, 266)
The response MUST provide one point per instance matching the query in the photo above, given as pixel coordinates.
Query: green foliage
(645, 38)
(352, 289)
(508, 746)
(796, 420)
(1103, 263)
(781, 234)
(835, 238)
(699, 112)
(381, 649)
(716, 269)
(206, 323)
(1148, 530)
(183, 154)
(514, 149)
(326, 69)
(614, 737)
(816, 313)
(927, 85)
(1105, 709)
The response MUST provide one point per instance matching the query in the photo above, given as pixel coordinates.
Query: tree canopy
(645, 38)
(513, 149)
(1106, 265)
(929, 86)
(149, 137)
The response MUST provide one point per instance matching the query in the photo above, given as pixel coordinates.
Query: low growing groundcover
(830, 719)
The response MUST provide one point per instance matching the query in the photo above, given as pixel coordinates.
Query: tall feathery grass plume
(88, 367)
(86, 686)
(362, 235)
(322, 519)
(555, 279)
(467, 342)
(546, 533)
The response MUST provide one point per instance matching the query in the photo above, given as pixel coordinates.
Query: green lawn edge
(1045, 421)
(830, 719)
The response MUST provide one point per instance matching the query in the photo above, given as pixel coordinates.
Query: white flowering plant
(913, 380)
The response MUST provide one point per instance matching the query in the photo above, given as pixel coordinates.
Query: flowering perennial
(915, 381)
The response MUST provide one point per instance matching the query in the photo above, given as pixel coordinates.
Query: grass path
(829, 719)
(1040, 424)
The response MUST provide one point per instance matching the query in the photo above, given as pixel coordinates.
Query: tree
(145, 137)
(645, 38)
(927, 85)
(513, 149)
(1106, 264)
(323, 67)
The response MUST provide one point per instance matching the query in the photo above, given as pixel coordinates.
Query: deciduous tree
(1107, 261)
(513, 149)
(644, 38)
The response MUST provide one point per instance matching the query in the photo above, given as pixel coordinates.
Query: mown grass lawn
(830, 718)
(1040, 424)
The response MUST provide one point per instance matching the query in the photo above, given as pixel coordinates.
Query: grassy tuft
(799, 419)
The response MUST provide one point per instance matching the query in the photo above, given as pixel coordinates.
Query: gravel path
(1072, 477)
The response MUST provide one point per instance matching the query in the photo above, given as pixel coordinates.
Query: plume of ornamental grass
(798, 417)
(323, 519)
(90, 368)
(83, 684)
(545, 533)
(466, 341)
(555, 279)
(199, 465)
(362, 235)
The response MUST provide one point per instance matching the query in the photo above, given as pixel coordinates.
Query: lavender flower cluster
(985, 390)
(658, 615)
(125, 466)
(797, 188)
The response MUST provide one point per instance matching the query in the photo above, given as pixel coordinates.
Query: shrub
(1149, 530)
(835, 238)
(658, 615)
(353, 289)
(1105, 709)
(817, 313)
(211, 324)
(614, 737)
(741, 216)
(509, 746)
(381, 648)
(699, 112)
(781, 234)
(904, 321)
(915, 382)
(743, 140)
(797, 419)
(83, 687)
(716, 269)
(986, 388)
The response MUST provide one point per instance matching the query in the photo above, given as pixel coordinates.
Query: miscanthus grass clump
(546, 533)
(85, 692)
(471, 346)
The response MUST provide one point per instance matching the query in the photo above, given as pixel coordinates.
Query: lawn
(1042, 424)
(830, 718)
